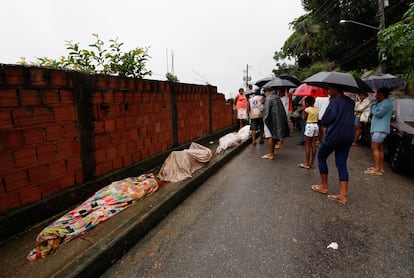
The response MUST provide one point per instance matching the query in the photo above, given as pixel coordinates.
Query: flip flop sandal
(266, 156)
(304, 166)
(373, 172)
(318, 188)
(337, 198)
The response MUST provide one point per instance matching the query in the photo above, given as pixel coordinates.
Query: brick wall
(60, 129)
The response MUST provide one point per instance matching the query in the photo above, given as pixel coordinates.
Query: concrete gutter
(94, 252)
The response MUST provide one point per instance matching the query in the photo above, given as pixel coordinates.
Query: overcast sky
(212, 41)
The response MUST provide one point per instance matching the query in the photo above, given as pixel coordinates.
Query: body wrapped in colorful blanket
(104, 204)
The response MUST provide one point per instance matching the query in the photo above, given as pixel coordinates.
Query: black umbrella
(345, 81)
(291, 78)
(376, 81)
(277, 83)
(261, 82)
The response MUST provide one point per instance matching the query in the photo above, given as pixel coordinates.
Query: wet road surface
(259, 218)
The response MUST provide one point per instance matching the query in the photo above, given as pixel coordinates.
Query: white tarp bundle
(232, 139)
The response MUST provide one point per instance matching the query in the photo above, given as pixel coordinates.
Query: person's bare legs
(313, 154)
(375, 147)
(254, 137)
(381, 157)
(343, 192)
(357, 134)
(308, 146)
(271, 153)
(261, 136)
(323, 187)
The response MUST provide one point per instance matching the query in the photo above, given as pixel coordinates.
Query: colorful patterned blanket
(104, 204)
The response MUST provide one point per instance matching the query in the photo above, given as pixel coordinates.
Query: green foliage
(318, 37)
(396, 43)
(98, 59)
(171, 77)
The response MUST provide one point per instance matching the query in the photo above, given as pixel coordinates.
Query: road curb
(99, 257)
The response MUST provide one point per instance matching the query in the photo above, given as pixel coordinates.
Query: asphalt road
(259, 218)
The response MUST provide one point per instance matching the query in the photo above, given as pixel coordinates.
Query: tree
(348, 46)
(396, 43)
(97, 59)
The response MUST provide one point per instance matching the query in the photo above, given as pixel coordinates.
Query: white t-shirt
(321, 103)
(285, 102)
(256, 107)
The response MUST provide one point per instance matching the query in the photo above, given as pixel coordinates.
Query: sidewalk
(91, 254)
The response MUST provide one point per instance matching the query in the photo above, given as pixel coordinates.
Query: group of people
(334, 122)
(268, 116)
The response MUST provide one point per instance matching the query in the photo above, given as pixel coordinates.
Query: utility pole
(247, 78)
(381, 14)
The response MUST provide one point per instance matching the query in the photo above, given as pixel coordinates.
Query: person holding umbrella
(339, 122)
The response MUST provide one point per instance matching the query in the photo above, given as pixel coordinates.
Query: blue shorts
(357, 121)
(378, 137)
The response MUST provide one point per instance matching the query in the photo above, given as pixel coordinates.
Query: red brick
(137, 156)
(54, 132)
(23, 117)
(120, 123)
(117, 163)
(25, 157)
(66, 180)
(49, 187)
(109, 125)
(46, 152)
(57, 168)
(73, 163)
(34, 135)
(133, 134)
(129, 97)
(102, 140)
(99, 81)
(50, 97)
(108, 97)
(58, 78)
(76, 147)
(99, 127)
(122, 149)
(43, 115)
(37, 76)
(126, 160)
(66, 96)
(130, 122)
(14, 75)
(29, 195)
(111, 152)
(119, 97)
(65, 148)
(6, 161)
(116, 137)
(12, 139)
(15, 180)
(38, 174)
(9, 201)
(8, 98)
(100, 155)
(70, 130)
(103, 168)
(29, 97)
(64, 113)
(6, 119)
